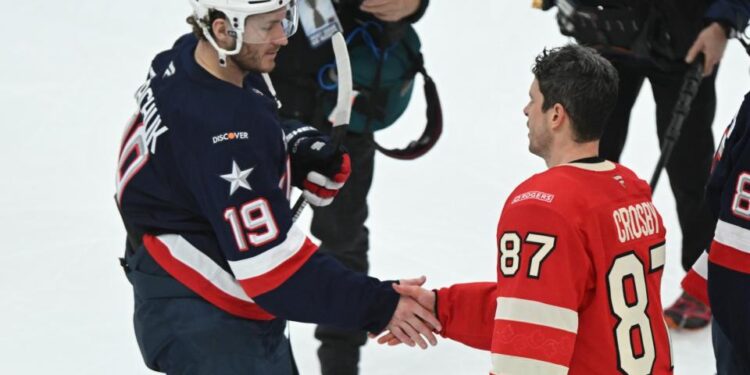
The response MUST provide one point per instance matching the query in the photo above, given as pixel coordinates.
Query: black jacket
(297, 65)
(678, 22)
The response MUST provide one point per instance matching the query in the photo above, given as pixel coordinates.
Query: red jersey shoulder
(559, 189)
(578, 187)
(629, 180)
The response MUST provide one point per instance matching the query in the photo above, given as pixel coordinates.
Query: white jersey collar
(603, 166)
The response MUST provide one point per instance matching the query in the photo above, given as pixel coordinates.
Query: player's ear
(220, 28)
(558, 114)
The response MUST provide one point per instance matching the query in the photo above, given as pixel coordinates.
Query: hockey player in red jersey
(581, 247)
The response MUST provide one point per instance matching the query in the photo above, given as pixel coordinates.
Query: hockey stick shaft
(688, 91)
(343, 110)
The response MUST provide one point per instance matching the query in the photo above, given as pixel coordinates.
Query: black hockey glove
(318, 168)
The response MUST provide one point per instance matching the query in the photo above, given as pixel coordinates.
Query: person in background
(340, 226)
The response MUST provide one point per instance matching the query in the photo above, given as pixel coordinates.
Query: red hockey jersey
(581, 252)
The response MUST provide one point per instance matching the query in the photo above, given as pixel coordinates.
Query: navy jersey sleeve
(734, 13)
(728, 194)
(240, 178)
(730, 160)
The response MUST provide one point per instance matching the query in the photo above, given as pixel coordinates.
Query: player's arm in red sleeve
(467, 313)
(543, 274)
(695, 282)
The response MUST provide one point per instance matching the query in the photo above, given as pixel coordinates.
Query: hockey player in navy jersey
(722, 275)
(729, 260)
(203, 182)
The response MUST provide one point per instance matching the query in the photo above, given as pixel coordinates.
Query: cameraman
(656, 40)
(341, 225)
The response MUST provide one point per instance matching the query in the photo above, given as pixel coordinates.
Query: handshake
(415, 318)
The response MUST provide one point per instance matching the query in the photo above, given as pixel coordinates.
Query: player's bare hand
(712, 42)
(390, 10)
(412, 323)
(426, 298)
(412, 289)
(419, 281)
(390, 339)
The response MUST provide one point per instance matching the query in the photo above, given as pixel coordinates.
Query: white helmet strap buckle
(221, 51)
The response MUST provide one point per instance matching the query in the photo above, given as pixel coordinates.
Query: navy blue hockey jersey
(204, 181)
(728, 195)
(721, 277)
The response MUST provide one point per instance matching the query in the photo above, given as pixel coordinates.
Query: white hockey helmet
(251, 21)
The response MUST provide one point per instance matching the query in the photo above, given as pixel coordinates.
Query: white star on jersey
(237, 178)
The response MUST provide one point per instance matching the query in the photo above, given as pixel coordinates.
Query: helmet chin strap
(269, 83)
(223, 53)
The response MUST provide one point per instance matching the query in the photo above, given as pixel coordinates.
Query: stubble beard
(251, 60)
(539, 144)
(246, 62)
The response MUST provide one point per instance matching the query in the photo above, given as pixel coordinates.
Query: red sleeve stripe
(695, 283)
(274, 277)
(506, 364)
(271, 258)
(202, 275)
(729, 257)
(537, 313)
(733, 236)
(696, 286)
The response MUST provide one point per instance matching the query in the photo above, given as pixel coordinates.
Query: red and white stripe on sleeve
(266, 271)
(695, 282)
(532, 337)
(731, 247)
(202, 275)
(250, 277)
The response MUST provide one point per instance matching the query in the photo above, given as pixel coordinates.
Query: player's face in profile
(540, 137)
(261, 56)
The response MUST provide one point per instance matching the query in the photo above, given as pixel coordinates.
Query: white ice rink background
(68, 71)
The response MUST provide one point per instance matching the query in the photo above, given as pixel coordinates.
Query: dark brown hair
(583, 82)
